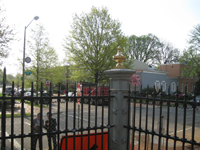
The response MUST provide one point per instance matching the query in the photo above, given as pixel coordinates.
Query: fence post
(119, 86)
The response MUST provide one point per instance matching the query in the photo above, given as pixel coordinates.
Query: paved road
(63, 112)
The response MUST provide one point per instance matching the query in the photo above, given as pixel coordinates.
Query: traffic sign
(27, 59)
(47, 83)
(28, 73)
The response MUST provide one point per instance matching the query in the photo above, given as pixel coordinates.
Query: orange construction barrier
(70, 142)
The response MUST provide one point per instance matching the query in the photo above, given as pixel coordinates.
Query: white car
(28, 94)
(197, 99)
(70, 94)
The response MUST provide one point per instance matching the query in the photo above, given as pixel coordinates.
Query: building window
(181, 74)
(181, 87)
(196, 77)
(186, 86)
(163, 84)
(173, 87)
(191, 77)
(191, 89)
(157, 86)
(187, 76)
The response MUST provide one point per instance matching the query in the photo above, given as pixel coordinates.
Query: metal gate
(163, 121)
(130, 120)
(78, 125)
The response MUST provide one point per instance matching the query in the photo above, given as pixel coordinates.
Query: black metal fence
(156, 120)
(74, 122)
(163, 121)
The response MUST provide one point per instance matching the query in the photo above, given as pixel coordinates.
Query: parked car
(46, 100)
(28, 94)
(70, 94)
(8, 91)
(197, 99)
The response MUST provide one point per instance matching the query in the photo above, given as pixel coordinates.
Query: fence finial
(119, 59)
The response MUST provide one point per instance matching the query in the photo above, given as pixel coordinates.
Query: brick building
(174, 70)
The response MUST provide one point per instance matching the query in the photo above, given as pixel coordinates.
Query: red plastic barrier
(70, 141)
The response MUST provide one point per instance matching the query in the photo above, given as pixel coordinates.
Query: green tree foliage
(168, 54)
(6, 36)
(143, 48)
(92, 43)
(191, 55)
(44, 64)
(151, 50)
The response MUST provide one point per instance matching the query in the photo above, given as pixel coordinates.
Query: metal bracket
(114, 140)
(124, 111)
(114, 111)
(124, 140)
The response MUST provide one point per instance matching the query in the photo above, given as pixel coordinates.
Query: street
(62, 115)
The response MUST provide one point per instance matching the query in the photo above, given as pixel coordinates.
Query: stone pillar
(119, 86)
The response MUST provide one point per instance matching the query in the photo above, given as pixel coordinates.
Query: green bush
(8, 100)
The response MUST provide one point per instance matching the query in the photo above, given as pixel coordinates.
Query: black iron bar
(96, 102)
(66, 118)
(89, 105)
(32, 101)
(160, 121)
(50, 111)
(140, 118)
(22, 117)
(168, 116)
(193, 121)
(102, 115)
(134, 116)
(58, 114)
(82, 118)
(184, 118)
(153, 119)
(109, 99)
(74, 120)
(41, 118)
(12, 116)
(146, 126)
(176, 120)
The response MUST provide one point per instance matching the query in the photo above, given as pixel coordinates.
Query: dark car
(9, 91)
(45, 100)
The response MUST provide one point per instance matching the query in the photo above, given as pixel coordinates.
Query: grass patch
(16, 115)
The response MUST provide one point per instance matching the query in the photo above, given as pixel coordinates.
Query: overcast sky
(170, 20)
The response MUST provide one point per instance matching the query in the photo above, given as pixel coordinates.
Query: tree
(191, 55)
(44, 60)
(168, 54)
(92, 43)
(194, 40)
(151, 50)
(6, 36)
(143, 48)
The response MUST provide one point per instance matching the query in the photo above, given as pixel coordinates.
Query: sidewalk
(36, 110)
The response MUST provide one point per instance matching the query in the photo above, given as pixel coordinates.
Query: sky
(169, 20)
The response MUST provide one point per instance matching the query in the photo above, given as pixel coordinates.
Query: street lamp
(35, 18)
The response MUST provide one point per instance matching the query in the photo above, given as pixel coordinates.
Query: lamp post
(35, 18)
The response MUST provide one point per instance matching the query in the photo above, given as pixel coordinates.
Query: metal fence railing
(74, 125)
(163, 121)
